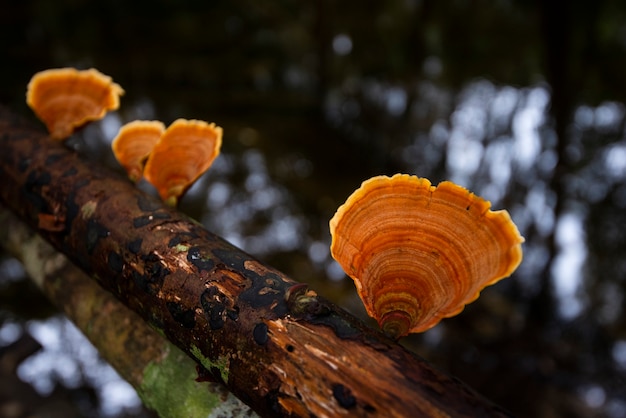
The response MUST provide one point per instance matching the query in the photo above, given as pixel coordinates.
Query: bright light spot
(619, 353)
(615, 161)
(118, 396)
(567, 267)
(584, 116)
(608, 115)
(68, 358)
(11, 270)
(110, 126)
(342, 44)
(334, 271)
(526, 124)
(9, 333)
(318, 251)
(396, 99)
(464, 156)
(218, 194)
(594, 396)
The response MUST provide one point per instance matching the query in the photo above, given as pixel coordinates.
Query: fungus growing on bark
(134, 143)
(184, 152)
(65, 98)
(419, 253)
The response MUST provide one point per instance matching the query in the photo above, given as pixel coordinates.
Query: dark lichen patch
(175, 241)
(95, 231)
(24, 164)
(71, 210)
(144, 220)
(115, 262)
(214, 309)
(141, 221)
(233, 313)
(216, 316)
(342, 328)
(344, 396)
(51, 159)
(217, 307)
(185, 317)
(36, 179)
(154, 273)
(81, 183)
(148, 204)
(234, 259)
(69, 172)
(32, 190)
(135, 246)
(266, 292)
(195, 257)
(260, 333)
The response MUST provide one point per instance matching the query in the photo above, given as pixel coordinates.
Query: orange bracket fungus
(66, 98)
(186, 149)
(419, 253)
(134, 143)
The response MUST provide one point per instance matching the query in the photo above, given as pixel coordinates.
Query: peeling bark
(273, 342)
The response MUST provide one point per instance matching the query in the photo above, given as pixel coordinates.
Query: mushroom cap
(186, 149)
(419, 253)
(134, 143)
(66, 98)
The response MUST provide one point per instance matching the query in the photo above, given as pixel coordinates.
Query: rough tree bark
(274, 343)
(164, 377)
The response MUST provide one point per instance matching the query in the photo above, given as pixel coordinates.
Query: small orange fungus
(66, 98)
(419, 253)
(134, 143)
(186, 149)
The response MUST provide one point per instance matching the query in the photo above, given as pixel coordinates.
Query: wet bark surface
(274, 342)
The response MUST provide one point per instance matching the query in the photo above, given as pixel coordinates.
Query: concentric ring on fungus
(419, 253)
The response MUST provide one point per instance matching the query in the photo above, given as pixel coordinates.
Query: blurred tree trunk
(274, 343)
(163, 376)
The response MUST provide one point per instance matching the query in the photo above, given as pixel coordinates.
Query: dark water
(521, 102)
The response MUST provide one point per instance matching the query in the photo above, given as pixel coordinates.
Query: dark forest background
(520, 101)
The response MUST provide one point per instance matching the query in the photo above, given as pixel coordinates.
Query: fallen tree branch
(164, 376)
(275, 344)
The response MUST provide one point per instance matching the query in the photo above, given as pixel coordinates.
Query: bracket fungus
(419, 253)
(184, 152)
(66, 98)
(134, 143)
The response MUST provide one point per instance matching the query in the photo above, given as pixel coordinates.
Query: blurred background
(520, 101)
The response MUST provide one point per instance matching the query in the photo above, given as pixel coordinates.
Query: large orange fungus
(419, 253)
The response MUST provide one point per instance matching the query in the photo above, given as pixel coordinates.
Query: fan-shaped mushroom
(66, 98)
(186, 149)
(134, 143)
(419, 253)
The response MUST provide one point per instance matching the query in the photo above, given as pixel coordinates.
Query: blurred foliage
(317, 96)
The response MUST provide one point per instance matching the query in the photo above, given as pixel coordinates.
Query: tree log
(163, 376)
(277, 345)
